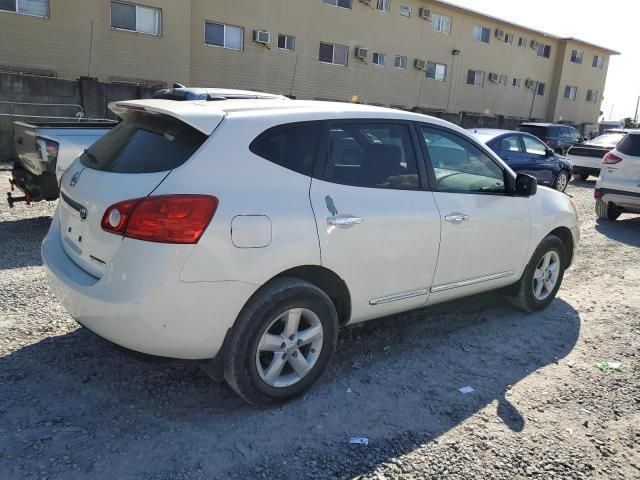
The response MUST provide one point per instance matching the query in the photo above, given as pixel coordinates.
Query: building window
(441, 23)
(286, 42)
(576, 56)
(384, 5)
(127, 16)
(544, 50)
(226, 36)
(37, 8)
(522, 42)
(598, 62)
(475, 77)
(436, 71)
(592, 96)
(516, 82)
(400, 62)
(502, 80)
(378, 58)
(481, 34)
(331, 53)
(405, 10)
(508, 38)
(570, 92)
(339, 3)
(540, 89)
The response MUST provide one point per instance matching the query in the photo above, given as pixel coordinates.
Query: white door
(379, 230)
(485, 231)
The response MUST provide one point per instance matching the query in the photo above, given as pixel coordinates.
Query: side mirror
(526, 185)
(549, 153)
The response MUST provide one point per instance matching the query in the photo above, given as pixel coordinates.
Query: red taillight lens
(610, 159)
(547, 141)
(164, 219)
(597, 194)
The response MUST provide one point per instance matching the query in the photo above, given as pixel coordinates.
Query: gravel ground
(72, 406)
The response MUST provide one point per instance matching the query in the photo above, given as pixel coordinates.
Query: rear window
(144, 143)
(630, 145)
(534, 130)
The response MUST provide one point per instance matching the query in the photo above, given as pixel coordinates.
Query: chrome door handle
(456, 217)
(340, 221)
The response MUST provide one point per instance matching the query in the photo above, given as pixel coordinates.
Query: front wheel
(282, 342)
(542, 277)
(561, 182)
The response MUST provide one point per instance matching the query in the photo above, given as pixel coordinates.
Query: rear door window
(144, 143)
(509, 144)
(293, 146)
(371, 155)
(630, 145)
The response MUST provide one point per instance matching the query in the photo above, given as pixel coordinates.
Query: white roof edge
(202, 118)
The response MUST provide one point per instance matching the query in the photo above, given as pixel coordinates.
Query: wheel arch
(327, 281)
(565, 236)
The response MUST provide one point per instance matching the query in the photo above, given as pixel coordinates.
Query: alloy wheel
(545, 276)
(289, 347)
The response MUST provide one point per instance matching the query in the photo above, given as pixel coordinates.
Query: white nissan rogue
(244, 233)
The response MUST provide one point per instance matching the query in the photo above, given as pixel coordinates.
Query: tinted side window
(534, 146)
(144, 143)
(509, 144)
(630, 145)
(371, 155)
(461, 166)
(292, 146)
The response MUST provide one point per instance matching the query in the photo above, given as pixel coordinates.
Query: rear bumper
(39, 187)
(141, 304)
(629, 201)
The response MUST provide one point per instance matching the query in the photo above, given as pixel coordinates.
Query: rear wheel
(542, 277)
(607, 210)
(283, 341)
(561, 182)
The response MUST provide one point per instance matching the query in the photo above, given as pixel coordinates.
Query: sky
(612, 25)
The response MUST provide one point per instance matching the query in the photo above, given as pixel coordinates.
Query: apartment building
(402, 53)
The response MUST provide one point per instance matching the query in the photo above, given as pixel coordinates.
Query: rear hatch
(623, 173)
(128, 162)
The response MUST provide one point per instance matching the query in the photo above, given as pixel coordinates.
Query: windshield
(144, 143)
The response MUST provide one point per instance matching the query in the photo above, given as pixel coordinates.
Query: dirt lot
(73, 406)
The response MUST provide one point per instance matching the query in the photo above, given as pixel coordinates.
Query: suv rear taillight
(47, 149)
(163, 219)
(610, 159)
(597, 194)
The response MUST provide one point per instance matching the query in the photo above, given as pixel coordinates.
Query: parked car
(618, 187)
(558, 137)
(587, 157)
(181, 93)
(45, 150)
(250, 231)
(525, 153)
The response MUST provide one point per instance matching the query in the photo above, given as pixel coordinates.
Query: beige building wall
(64, 43)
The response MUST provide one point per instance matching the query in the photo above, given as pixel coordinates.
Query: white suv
(245, 233)
(618, 188)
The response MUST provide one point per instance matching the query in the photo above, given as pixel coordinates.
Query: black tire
(556, 183)
(584, 176)
(240, 370)
(607, 211)
(522, 296)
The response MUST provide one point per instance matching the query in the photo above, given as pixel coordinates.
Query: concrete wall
(27, 98)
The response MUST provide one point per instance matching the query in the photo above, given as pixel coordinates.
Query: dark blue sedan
(525, 153)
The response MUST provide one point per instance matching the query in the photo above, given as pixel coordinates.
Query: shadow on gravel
(21, 240)
(625, 230)
(588, 184)
(394, 381)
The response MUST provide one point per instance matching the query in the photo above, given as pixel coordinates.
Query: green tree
(629, 123)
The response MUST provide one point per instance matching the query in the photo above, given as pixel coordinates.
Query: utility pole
(635, 117)
(535, 92)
